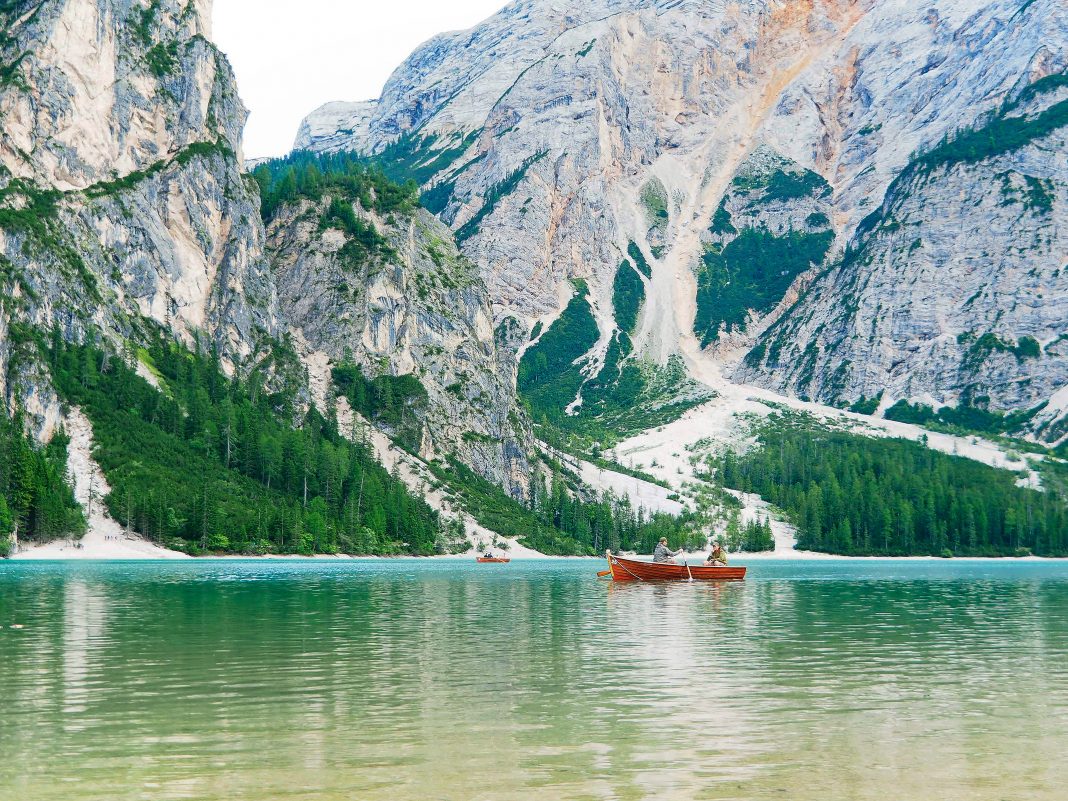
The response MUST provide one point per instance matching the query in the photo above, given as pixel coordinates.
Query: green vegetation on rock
(34, 212)
(782, 185)
(162, 59)
(752, 273)
(962, 419)
(549, 379)
(36, 502)
(721, 221)
(196, 150)
(417, 158)
(345, 179)
(1000, 133)
(142, 22)
(655, 200)
(625, 397)
(980, 348)
(315, 175)
(638, 257)
(628, 293)
(397, 403)
(222, 464)
(495, 194)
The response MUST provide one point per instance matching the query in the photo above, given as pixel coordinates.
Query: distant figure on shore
(664, 554)
(718, 557)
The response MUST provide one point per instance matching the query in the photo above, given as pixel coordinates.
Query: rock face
(124, 209)
(953, 291)
(556, 134)
(421, 311)
(121, 195)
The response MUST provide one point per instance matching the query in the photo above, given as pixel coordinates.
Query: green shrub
(162, 59)
(628, 293)
(752, 273)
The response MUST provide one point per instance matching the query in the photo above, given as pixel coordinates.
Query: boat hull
(483, 560)
(634, 570)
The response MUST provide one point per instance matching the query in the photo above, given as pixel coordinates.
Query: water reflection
(403, 680)
(84, 616)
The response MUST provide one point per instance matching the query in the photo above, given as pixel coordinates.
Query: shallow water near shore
(422, 679)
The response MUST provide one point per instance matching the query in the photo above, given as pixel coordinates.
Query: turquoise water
(264, 680)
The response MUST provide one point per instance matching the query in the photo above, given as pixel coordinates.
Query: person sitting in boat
(488, 555)
(664, 554)
(718, 557)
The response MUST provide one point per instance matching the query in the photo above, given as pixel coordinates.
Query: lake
(427, 679)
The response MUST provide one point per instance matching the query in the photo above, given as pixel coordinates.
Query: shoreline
(799, 556)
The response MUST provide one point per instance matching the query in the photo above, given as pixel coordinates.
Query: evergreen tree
(856, 495)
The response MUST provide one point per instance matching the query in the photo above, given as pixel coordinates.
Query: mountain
(677, 236)
(248, 328)
(122, 203)
(370, 281)
(854, 202)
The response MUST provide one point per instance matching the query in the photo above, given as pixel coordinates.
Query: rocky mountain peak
(98, 89)
(560, 139)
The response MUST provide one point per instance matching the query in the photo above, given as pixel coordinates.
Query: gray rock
(422, 312)
(564, 112)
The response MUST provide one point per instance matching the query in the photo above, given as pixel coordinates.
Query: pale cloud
(294, 55)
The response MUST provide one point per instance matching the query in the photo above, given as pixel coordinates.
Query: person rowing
(718, 557)
(663, 554)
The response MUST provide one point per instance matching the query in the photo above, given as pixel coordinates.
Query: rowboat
(635, 570)
(493, 559)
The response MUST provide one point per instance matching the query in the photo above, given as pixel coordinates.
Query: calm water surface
(257, 681)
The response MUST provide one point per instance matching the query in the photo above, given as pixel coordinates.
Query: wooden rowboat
(494, 559)
(633, 570)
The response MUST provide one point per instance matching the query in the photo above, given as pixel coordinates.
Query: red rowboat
(634, 570)
(494, 559)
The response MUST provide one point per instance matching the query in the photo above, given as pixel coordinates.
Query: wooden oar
(604, 573)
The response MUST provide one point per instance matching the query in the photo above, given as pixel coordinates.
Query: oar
(604, 573)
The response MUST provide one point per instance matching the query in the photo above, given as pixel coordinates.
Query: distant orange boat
(493, 559)
(634, 570)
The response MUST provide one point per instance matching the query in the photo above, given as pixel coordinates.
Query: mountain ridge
(849, 91)
(544, 286)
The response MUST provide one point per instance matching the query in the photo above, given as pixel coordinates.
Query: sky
(291, 56)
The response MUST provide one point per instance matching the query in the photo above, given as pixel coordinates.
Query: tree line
(36, 500)
(211, 463)
(559, 519)
(311, 175)
(854, 495)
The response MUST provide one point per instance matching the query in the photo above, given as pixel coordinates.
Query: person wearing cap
(718, 557)
(664, 554)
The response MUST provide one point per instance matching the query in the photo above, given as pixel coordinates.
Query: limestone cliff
(121, 195)
(125, 210)
(557, 138)
(417, 308)
(952, 291)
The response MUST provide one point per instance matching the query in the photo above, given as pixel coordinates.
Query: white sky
(291, 56)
